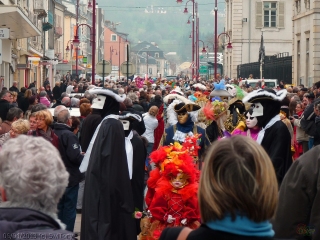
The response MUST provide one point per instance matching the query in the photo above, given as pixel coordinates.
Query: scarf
(129, 152)
(242, 226)
(186, 127)
(269, 124)
(129, 149)
(46, 135)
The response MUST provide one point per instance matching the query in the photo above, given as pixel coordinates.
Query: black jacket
(56, 92)
(14, 89)
(24, 223)
(70, 152)
(4, 108)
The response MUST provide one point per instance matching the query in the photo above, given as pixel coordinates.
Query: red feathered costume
(170, 205)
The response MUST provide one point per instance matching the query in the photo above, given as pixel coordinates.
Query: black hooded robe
(137, 181)
(108, 201)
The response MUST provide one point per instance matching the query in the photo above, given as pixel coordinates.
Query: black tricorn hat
(189, 107)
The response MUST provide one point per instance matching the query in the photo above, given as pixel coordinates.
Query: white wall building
(306, 38)
(246, 20)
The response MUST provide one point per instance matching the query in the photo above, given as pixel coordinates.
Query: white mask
(251, 121)
(257, 110)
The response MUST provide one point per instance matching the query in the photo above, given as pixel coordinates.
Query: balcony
(58, 32)
(39, 9)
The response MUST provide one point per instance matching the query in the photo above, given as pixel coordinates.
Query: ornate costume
(172, 190)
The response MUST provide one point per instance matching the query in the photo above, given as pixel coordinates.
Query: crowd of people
(158, 159)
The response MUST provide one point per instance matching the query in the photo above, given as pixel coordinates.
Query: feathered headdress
(213, 110)
(176, 158)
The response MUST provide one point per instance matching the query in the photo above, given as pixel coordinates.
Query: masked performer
(174, 202)
(250, 128)
(108, 201)
(274, 135)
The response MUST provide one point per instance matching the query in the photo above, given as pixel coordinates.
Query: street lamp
(229, 48)
(203, 51)
(188, 22)
(137, 54)
(179, 1)
(192, 35)
(93, 38)
(68, 50)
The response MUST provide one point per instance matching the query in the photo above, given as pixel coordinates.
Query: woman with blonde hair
(44, 120)
(238, 193)
(18, 127)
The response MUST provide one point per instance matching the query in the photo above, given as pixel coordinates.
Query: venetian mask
(179, 181)
(251, 121)
(257, 110)
(183, 117)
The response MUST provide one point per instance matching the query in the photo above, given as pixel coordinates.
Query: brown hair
(28, 93)
(46, 115)
(238, 178)
(153, 111)
(75, 122)
(85, 109)
(84, 100)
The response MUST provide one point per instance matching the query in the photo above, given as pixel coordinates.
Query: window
(113, 37)
(270, 14)
(156, 55)
(150, 70)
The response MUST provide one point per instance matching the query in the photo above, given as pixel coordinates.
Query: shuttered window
(270, 14)
(281, 15)
(259, 15)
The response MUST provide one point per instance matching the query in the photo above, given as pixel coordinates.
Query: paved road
(77, 225)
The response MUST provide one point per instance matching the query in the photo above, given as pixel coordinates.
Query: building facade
(306, 38)
(246, 21)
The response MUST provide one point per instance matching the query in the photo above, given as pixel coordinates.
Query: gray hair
(75, 102)
(63, 116)
(133, 97)
(64, 94)
(43, 94)
(58, 109)
(32, 175)
(89, 96)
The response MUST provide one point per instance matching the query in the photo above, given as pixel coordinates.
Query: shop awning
(20, 25)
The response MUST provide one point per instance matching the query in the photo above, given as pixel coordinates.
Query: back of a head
(13, 113)
(153, 111)
(63, 116)
(58, 109)
(3, 93)
(237, 179)
(32, 175)
(43, 94)
(38, 107)
(22, 126)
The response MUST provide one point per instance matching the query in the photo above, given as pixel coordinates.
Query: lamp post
(147, 47)
(192, 35)
(70, 50)
(93, 38)
(229, 48)
(215, 37)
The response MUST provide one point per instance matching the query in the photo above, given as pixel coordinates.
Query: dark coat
(56, 92)
(70, 152)
(108, 201)
(14, 89)
(89, 125)
(136, 106)
(205, 233)
(297, 214)
(4, 108)
(137, 181)
(277, 143)
(23, 102)
(24, 223)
